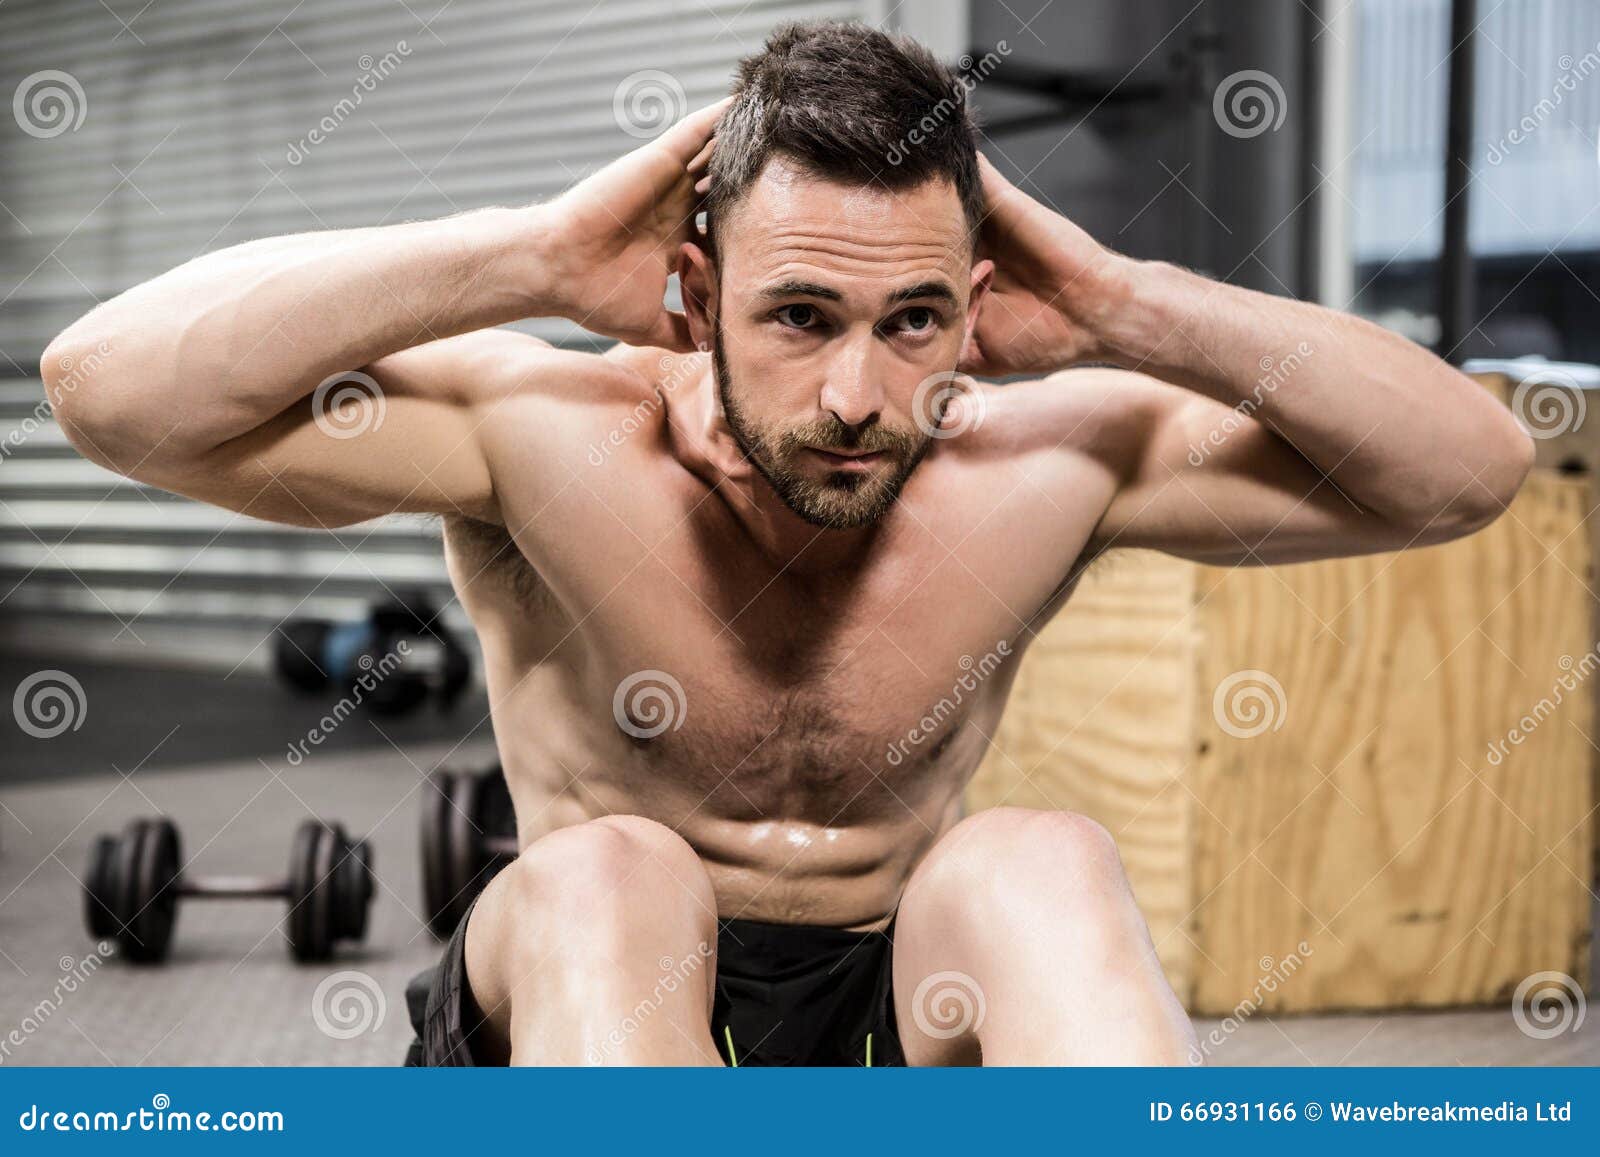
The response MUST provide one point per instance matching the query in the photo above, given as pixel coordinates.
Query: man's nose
(853, 392)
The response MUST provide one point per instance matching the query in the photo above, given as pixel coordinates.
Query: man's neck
(774, 530)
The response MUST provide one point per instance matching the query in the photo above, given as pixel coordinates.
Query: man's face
(834, 304)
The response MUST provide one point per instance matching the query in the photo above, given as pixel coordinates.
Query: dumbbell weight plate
(399, 692)
(124, 886)
(310, 926)
(497, 814)
(97, 899)
(149, 858)
(483, 811)
(467, 858)
(162, 861)
(353, 894)
(457, 857)
(461, 813)
(461, 862)
(455, 671)
(436, 797)
(298, 651)
(435, 662)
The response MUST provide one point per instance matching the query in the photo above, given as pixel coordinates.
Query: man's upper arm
(414, 444)
(1213, 483)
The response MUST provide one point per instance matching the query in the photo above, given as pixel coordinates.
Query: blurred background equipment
(135, 882)
(398, 656)
(469, 832)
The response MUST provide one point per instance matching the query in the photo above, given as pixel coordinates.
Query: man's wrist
(1149, 305)
(524, 251)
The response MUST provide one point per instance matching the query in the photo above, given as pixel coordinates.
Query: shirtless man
(721, 573)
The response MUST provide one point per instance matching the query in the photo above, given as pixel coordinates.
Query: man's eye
(919, 319)
(797, 316)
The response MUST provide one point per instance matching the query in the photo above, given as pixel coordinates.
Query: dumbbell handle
(502, 845)
(233, 887)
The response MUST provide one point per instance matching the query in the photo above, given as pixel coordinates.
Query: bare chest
(825, 704)
(711, 673)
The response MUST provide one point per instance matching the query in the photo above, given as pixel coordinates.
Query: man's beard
(843, 499)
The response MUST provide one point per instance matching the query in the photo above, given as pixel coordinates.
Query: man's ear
(982, 280)
(697, 282)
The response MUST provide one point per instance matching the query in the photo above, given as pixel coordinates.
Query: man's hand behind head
(616, 236)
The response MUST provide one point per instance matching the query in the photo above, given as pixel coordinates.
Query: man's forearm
(1397, 429)
(223, 343)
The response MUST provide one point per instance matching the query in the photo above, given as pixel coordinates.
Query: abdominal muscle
(839, 857)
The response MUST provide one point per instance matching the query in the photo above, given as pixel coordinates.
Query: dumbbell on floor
(136, 880)
(401, 653)
(468, 834)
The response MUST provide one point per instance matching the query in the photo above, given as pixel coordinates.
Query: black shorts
(787, 994)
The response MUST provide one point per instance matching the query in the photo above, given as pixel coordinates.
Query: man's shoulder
(614, 405)
(503, 364)
(661, 369)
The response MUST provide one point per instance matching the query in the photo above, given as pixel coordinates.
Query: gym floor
(148, 717)
(230, 995)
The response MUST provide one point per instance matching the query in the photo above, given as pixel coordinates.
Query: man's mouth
(848, 459)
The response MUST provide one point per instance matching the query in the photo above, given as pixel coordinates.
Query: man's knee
(1019, 929)
(611, 878)
(574, 933)
(1002, 870)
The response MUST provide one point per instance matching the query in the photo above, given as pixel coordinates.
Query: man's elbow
(66, 367)
(74, 369)
(1504, 471)
(1480, 491)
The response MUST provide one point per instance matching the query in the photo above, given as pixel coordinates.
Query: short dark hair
(851, 104)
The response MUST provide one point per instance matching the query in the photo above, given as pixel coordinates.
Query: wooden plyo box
(1309, 769)
(1566, 439)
